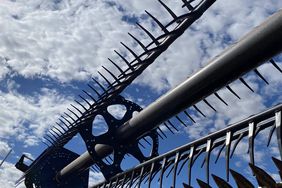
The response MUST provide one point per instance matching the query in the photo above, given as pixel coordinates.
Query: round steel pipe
(260, 45)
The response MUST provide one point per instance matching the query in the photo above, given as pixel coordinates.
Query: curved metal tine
(144, 138)
(251, 136)
(205, 101)
(123, 181)
(99, 95)
(260, 75)
(150, 175)
(52, 139)
(131, 179)
(217, 95)
(45, 143)
(149, 34)
(54, 127)
(221, 182)
(233, 92)
(172, 125)
(66, 121)
(139, 42)
(168, 10)
(168, 127)
(236, 144)
(190, 164)
(188, 5)
(270, 135)
(158, 23)
(52, 142)
(61, 126)
(85, 100)
(198, 110)
(219, 152)
(141, 145)
(160, 135)
(88, 94)
(81, 105)
(186, 156)
(76, 109)
(120, 70)
(109, 83)
(116, 182)
(132, 52)
(99, 84)
(69, 116)
(278, 117)
(228, 141)
(116, 79)
(73, 113)
(140, 177)
(177, 117)
(125, 60)
(189, 116)
(162, 132)
(168, 166)
(176, 162)
(275, 65)
(162, 171)
(54, 133)
(246, 84)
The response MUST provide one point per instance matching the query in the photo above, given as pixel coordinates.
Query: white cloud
(9, 175)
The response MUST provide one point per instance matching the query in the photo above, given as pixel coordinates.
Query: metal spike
(259, 74)
(58, 130)
(184, 162)
(263, 178)
(120, 70)
(247, 85)
(105, 78)
(162, 171)
(99, 84)
(132, 52)
(219, 152)
(240, 180)
(176, 161)
(270, 135)
(141, 145)
(251, 136)
(65, 120)
(116, 79)
(69, 116)
(168, 10)
(188, 5)
(168, 128)
(221, 183)
(6, 156)
(233, 92)
(205, 101)
(99, 95)
(125, 60)
(55, 134)
(180, 121)
(73, 113)
(158, 22)
(162, 132)
(76, 109)
(199, 110)
(190, 117)
(144, 138)
(88, 94)
(236, 144)
(278, 117)
(149, 34)
(217, 95)
(203, 184)
(172, 125)
(51, 142)
(85, 100)
(81, 105)
(61, 126)
(275, 65)
(139, 42)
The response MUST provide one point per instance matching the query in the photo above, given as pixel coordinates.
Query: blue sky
(49, 49)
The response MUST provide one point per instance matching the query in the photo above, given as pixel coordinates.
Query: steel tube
(258, 46)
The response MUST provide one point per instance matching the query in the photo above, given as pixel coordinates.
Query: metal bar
(255, 48)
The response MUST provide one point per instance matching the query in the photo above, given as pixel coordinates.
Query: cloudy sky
(50, 49)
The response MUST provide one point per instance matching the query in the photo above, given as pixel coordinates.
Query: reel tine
(158, 23)
(246, 84)
(132, 52)
(149, 34)
(139, 42)
(116, 79)
(85, 100)
(81, 105)
(105, 78)
(260, 75)
(88, 94)
(99, 84)
(168, 10)
(99, 95)
(219, 152)
(198, 110)
(217, 95)
(76, 109)
(205, 101)
(125, 60)
(275, 65)
(177, 117)
(232, 91)
(120, 70)
(236, 144)
(73, 113)
(270, 135)
(168, 127)
(161, 131)
(189, 116)
(169, 122)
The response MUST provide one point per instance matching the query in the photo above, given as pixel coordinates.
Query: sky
(50, 49)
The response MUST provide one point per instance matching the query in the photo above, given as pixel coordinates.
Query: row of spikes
(171, 161)
(171, 127)
(67, 126)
